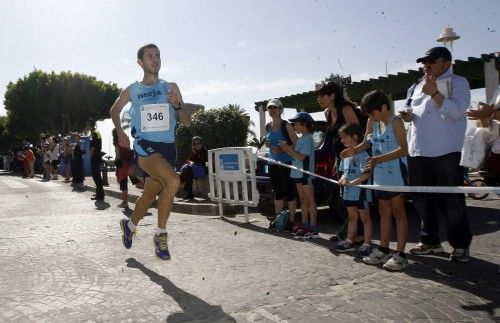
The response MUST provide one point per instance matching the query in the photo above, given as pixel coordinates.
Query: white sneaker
(396, 263)
(376, 257)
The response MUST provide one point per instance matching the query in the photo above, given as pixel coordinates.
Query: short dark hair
(374, 100)
(352, 129)
(140, 52)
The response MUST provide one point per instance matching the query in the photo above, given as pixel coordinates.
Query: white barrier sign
(229, 177)
(229, 166)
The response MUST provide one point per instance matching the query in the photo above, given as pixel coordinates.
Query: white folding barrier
(229, 170)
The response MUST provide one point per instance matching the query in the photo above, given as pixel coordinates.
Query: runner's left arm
(175, 98)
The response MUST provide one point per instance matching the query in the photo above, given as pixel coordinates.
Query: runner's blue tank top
(392, 172)
(152, 117)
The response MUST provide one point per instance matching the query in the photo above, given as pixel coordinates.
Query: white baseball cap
(274, 103)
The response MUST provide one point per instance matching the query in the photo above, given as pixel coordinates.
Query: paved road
(62, 261)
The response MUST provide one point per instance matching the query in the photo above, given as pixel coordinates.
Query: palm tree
(245, 116)
(256, 142)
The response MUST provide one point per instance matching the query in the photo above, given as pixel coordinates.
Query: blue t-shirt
(152, 117)
(305, 146)
(392, 172)
(274, 138)
(352, 167)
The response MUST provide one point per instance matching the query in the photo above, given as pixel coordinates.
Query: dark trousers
(186, 177)
(78, 171)
(95, 166)
(440, 171)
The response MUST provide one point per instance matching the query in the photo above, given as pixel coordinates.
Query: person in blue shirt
(156, 107)
(436, 110)
(279, 176)
(303, 158)
(388, 164)
(355, 199)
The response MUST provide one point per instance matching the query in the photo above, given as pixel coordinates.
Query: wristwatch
(179, 106)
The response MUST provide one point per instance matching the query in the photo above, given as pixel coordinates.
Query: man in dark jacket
(96, 159)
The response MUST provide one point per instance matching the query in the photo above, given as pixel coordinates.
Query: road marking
(12, 183)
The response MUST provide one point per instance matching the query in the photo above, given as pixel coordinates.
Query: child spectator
(303, 158)
(124, 169)
(355, 199)
(389, 167)
(28, 161)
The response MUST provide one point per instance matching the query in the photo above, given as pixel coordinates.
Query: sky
(236, 51)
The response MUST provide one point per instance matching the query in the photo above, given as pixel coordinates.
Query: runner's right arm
(114, 112)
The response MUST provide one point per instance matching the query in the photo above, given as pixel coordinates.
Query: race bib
(155, 117)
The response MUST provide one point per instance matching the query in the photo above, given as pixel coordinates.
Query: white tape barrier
(402, 189)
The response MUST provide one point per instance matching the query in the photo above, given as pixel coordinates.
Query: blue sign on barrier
(229, 162)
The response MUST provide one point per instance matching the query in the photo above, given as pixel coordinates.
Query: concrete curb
(197, 206)
(201, 208)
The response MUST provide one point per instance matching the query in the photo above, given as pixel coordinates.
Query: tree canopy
(55, 103)
(340, 80)
(228, 126)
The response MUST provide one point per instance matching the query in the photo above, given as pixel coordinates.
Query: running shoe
(376, 257)
(364, 250)
(296, 228)
(425, 249)
(127, 233)
(311, 235)
(344, 246)
(161, 246)
(396, 263)
(460, 255)
(301, 232)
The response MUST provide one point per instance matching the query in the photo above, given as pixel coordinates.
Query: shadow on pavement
(101, 205)
(193, 307)
(325, 243)
(477, 277)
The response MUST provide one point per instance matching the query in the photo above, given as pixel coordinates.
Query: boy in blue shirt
(303, 158)
(389, 167)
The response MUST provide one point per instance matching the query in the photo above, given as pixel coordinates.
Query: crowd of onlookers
(47, 156)
(381, 150)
